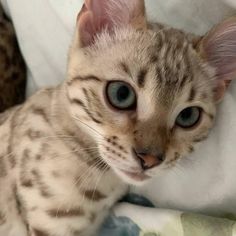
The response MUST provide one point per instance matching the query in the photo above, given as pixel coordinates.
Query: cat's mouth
(137, 176)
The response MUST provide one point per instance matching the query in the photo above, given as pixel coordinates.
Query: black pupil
(187, 114)
(123, 93)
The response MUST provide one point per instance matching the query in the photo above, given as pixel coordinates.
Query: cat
(12, 66)
(137, 98)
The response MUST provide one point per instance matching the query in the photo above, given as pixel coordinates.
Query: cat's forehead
(165, 55)
(167, 51)
(161, 62)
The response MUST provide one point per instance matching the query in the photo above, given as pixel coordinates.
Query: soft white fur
(205, 182)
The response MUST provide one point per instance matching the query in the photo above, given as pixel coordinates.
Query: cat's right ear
(98, 15)
(218, 48)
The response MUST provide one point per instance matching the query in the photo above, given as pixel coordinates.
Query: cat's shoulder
(41, 96)
(5, 116)
(37, 103)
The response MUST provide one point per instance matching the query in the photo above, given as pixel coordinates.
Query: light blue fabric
(124, 226)
(119, 226)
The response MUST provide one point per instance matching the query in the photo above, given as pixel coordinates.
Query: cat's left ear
(98, 15)
(218, 48)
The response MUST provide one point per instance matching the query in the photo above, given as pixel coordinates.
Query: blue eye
(189, 117)
(121, 95)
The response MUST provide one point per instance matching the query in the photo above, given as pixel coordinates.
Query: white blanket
(204, 182)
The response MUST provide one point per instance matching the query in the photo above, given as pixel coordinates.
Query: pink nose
(148, 160)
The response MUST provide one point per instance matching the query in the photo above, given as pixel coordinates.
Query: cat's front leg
(65, 222)
(11, 221)
(54, 207)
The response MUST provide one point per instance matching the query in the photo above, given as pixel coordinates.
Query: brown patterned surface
(12, 66)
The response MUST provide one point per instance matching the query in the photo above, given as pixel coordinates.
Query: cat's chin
(132, 178)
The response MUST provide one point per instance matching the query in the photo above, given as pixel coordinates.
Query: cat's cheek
(120, 122)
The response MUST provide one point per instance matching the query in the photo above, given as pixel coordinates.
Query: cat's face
(146, 96)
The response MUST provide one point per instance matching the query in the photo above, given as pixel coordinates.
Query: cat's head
(147, 95)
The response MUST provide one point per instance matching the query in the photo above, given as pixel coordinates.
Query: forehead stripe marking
(141, 78)
(125, 68)
(84, 79)
(192, 95)
(82, 105)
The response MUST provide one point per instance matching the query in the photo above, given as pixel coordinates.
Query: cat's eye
(189, 117)
(121, 95)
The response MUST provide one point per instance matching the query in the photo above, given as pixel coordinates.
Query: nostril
(148, 160)
(144, 165)
(142, 162)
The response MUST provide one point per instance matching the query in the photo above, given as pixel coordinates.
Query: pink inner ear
(220, 49)
(85, 28)
(97, 15)
(91, 21)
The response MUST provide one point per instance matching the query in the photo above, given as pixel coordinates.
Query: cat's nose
(149, 160)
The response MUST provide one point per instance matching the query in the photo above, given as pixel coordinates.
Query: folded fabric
(132, 220)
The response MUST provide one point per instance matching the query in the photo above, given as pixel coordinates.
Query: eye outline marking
(131, 108)
(196, 124)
